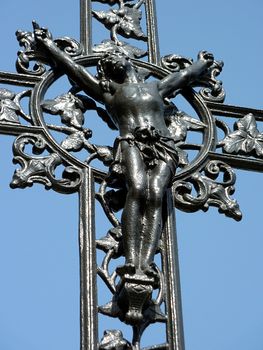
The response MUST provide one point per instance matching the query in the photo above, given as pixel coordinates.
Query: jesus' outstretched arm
(84, 79)
(185, 77)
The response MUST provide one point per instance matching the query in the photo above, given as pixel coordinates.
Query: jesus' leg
(132, 216)
(159, 180)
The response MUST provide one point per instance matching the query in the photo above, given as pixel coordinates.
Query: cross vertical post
(88, 265)
(175, 330)
(85, 26)
(153, 40)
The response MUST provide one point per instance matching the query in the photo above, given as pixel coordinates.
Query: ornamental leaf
(107, 243)
(129, 25)
(113, 339)
(69, 107)
(110, 241)
(235, 142)
(246, 139)
(104, 153)
(177, 128)
(62, 102)
(74, 142)
(9, 111)
(107, 18)
(248, 125)
(179, 123)
(73, 117)
(127, 21)
(8, 107)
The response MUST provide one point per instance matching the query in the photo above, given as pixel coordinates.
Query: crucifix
(151, 162)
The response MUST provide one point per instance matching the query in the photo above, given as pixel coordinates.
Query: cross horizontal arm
(238, 162)
(15, 130)
(19, 79)
(224, 110)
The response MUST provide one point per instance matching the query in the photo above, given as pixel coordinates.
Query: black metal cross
(240, 148)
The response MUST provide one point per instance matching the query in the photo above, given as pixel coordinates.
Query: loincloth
(152, 147)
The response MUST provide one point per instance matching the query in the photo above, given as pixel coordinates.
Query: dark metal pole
(85, 26)
(153, 40)
(175, 334)
(88, 266)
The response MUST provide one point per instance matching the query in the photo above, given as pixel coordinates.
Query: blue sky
(221, 260)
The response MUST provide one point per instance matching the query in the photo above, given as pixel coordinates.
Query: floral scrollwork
(175, 62)
(41, 169)
(209, 191)
(26, 56)
(32, 52)
(213, 89)
(70, 46)
(125, 21)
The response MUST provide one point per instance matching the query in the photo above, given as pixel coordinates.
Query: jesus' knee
(138, 190)
(155, 197)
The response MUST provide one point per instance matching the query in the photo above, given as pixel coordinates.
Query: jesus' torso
(134, 105)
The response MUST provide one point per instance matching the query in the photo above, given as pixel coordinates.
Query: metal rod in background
(85, 26)
(153, 39)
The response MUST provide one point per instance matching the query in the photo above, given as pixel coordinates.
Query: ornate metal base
(132, 299)
(134, 293)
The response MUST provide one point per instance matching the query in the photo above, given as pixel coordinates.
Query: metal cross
(241, 148)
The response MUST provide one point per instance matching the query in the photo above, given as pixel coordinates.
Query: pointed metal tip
(238, 215)
(35, 25)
